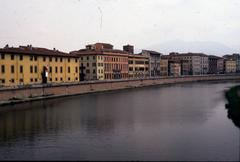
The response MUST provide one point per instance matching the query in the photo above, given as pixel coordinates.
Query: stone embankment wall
(15, 95)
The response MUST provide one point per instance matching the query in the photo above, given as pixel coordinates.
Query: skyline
(71, 24)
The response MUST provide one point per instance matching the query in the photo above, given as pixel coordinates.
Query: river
(173, 122)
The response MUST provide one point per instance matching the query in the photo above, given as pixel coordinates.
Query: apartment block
(100, 61)
(154, 62)
(27, 65)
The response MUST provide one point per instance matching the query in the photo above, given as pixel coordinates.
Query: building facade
(164, 67)
(27, 65)
(101, 62)
(174, 68)
(154, 62)
(214, 68)
(197, 62)
(230, 66)
(138, 66)
(220, 66)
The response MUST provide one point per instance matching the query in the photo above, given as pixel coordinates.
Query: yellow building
(230, 66)
(138, 66)
(164, 67)
(28, 65)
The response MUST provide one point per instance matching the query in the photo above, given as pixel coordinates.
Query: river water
(174, 122)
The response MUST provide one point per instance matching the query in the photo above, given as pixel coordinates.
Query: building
(230, 66)
(138, 66)
(154, 62)
(174, 68)
(129, 48)
(163, 67)
(27, 65)
(197, 62)
(101, 62)
(235, 57)
(185, 67)
(215, 66)
(220, 66)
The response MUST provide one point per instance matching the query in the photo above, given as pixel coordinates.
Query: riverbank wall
(39, 92)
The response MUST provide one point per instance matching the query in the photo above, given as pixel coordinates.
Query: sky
(71, 24)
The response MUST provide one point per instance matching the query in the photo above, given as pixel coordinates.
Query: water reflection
(153, 123)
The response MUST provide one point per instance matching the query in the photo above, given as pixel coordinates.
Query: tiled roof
(102, 51)
(34, 51)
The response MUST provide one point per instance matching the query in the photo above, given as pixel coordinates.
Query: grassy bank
(233, 105)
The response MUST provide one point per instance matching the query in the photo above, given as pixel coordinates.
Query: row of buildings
(27, 65)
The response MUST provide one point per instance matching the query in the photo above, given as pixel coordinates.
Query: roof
(99, 52)
(216, 57)
(28, 50)
(137, 56)
(190, 54)
(152, 52)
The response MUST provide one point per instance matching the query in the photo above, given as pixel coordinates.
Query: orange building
(101, 62)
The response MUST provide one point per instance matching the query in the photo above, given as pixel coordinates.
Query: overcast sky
(71, 24)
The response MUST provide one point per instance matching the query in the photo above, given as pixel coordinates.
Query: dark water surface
(177, 122)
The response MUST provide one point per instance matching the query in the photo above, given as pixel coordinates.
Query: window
(87, 64)
(56, 59)
(44, 59)
(94, 57)
(50, 70)
(12, 69)
(76, 69)
(69, 78)
(31, 69)
(94, 71)
(21, 80)
(21, 57)
(31, 58)
(35, 58)
(56, 69)
(61, 69)
(12, 80)
(36, 79)
(61, 59)
(69, 70)
(76, 78)
(12, 57)
(94, 64)
(56, 79)
(76, 60)
(2, 56)
(87, 71)
(31, 80)
(69, 60)
(87, 58)
(50, 79)
(81, 58)
(3, 80)
(21, 69)
(35, 69)
(50, 59)
(3, 69)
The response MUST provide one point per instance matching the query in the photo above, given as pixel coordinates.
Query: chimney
(128, 48)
